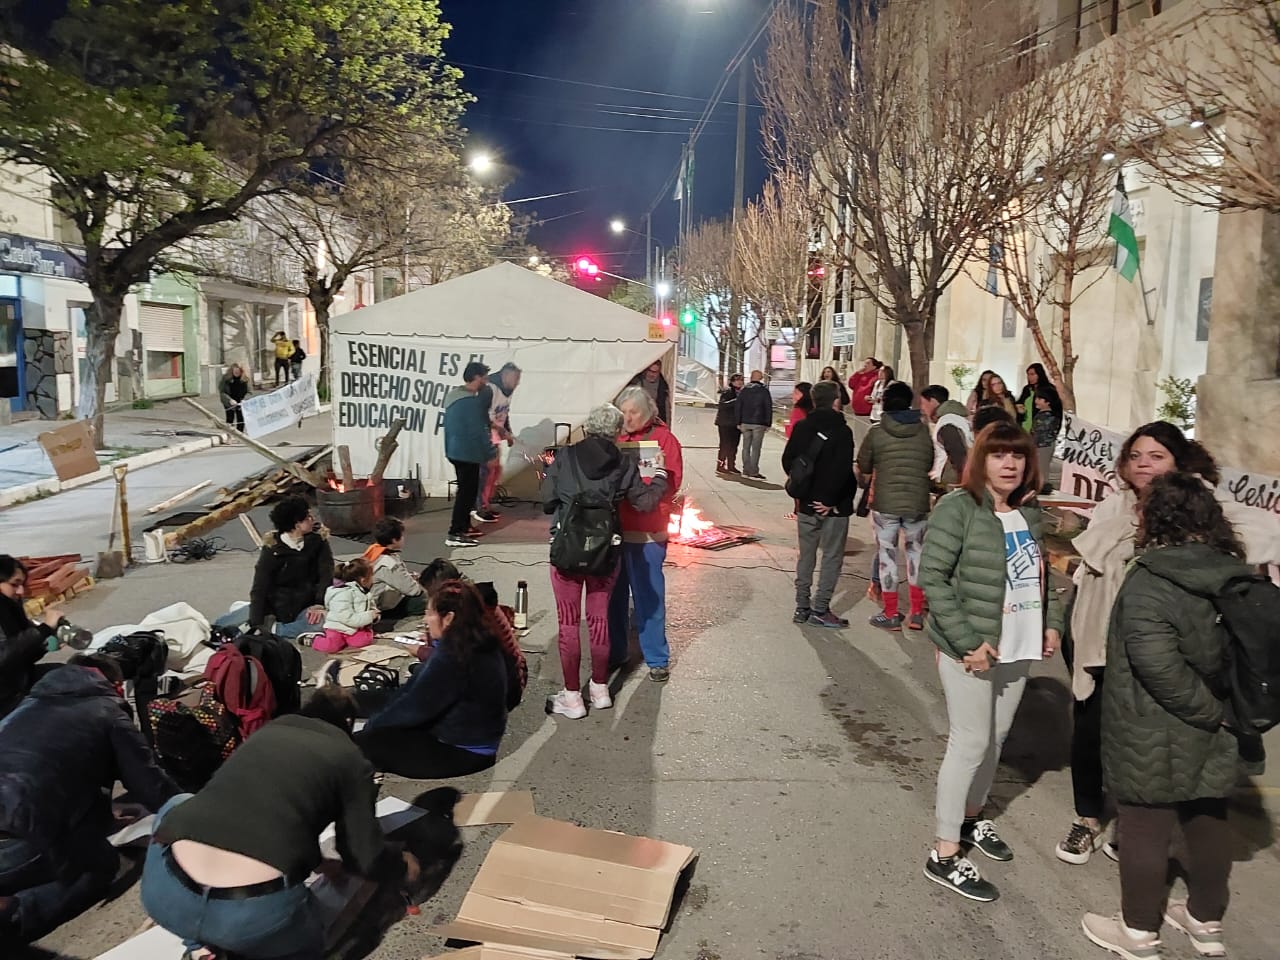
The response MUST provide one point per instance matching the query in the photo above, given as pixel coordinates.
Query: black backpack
(142, 656)
(804, 468)
(589, 534)
(1249, 609)
(282, 663)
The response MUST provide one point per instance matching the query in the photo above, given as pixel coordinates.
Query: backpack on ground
(142, 656)
(194, 735)
(1249, 609)
(282, 663)
(588, 535)
(804, 469)
(240, 683)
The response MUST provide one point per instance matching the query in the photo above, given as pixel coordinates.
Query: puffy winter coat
(287, 581)
(963, 573)
(61, 752)
(1162, 734)
(22, 644)
(899, 453)
(349, 608)
(467, 432)
(833, 480)
(755, 405)
(727, 408)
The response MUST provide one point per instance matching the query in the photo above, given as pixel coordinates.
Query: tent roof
(504, 301)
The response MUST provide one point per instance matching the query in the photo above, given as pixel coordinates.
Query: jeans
(282, 366)
(980, 710)
(568, 593)
(274, 926)
(464, 498)
(45, 899)
(640, 578)
(752, 441)
(288, 631)
(1145, 832)
(828, 534)
(1086, 752)
(730, 437)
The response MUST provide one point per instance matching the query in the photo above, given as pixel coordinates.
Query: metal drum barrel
(347, 512)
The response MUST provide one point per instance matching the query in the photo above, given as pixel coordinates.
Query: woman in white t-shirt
(884, 377)
(991, 615)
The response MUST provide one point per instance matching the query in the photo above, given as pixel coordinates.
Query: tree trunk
(918, 351)
(102, 327)
(1068, 379)
(322, 303)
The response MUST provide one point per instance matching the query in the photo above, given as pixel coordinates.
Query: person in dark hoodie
(295, 568)
(727, 424)
(22, 643)
(755, 416)
(235, 387)
(822, 517)
(593, 466)
(896, 459)
(468, 443)
(61, 753)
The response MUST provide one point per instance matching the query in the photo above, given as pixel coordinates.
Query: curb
(52, 485)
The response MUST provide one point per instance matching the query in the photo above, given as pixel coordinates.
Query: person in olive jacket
(896, 459)
(1167, 757)
(991, 615)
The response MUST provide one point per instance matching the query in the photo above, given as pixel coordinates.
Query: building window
(1204, 309)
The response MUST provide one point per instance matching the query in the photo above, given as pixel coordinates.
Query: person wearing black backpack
(1168, 754)
(818, 461)
(582, 489)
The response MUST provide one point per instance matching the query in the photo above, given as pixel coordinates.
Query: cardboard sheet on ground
(567, 890)
(483, 809)
(159, 944)
(379, 654)
(489, 951)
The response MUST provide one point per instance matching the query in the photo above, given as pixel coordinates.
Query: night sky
(538, 128)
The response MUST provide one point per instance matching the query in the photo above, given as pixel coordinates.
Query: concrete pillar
(1238, 398)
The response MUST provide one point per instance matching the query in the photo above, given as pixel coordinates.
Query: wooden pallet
(36, 606)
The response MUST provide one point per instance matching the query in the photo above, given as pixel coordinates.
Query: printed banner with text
(266, 413)
(1089, 452)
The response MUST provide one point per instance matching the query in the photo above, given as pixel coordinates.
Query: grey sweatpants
(828, 534)
(980, 709)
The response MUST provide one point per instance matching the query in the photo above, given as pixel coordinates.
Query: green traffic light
(688, 317)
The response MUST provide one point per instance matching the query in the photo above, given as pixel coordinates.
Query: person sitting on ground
(350, 609)
(592, 468)
(500, 621)
(395, 590)
(449, 718)
(435, 573)
(952, 434)
(235, 387)
(61, 753)
(22, 643)
(295, 569)
(227, 867)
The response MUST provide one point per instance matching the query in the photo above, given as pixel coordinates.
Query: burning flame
(688, 524)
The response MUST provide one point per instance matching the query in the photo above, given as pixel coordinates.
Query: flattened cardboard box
(555, 887)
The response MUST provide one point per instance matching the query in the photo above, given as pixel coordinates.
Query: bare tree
(1211, 124)
(771, 253)
(915, 125)
(704, 266)
(1047, 242)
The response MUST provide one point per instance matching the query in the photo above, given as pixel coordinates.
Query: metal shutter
(161, 326)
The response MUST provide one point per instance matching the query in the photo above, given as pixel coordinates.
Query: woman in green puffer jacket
(991, 615)
(1167, 758)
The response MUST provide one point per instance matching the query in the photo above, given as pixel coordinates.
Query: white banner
(266, 413)
(380, 379)
(1089, 453)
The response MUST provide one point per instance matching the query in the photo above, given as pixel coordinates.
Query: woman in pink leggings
(592, 471)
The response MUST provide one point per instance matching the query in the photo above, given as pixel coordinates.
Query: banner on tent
(1089, 452)
(266, 413)
(381, 379)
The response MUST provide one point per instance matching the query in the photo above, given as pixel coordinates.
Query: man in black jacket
(822, 514)
(61, 752)
(727, 424)
(755, 416)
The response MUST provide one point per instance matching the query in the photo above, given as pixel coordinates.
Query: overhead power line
(576, 83)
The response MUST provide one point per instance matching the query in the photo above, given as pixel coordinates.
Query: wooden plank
(344, 461)
(302, 473)
(179, 497)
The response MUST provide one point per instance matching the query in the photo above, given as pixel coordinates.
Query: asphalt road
(800, 762)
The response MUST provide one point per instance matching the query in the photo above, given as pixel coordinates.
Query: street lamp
(480, 163)
(617, 226)
(662, 289)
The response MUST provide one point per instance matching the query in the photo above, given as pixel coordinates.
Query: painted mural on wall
(48, 354)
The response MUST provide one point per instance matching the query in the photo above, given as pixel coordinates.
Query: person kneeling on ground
(397, 593)
(61, 752)
(449, 718)
(295, 569)
(227, 867)
(349, 609)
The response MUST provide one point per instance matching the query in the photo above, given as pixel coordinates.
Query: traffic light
(665, 321)
(587, 267)
(687, 317)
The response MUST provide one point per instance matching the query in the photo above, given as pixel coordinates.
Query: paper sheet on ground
(378, 654)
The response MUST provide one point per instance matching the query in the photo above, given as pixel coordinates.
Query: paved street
(798, 761)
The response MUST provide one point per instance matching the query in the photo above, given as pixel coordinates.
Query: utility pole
(648, 248)
(735, 358)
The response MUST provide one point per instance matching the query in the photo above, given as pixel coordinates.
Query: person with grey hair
(591, 473)
(651, 446)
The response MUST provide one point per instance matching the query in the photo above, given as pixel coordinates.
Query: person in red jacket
(644, 536)
(860, 384)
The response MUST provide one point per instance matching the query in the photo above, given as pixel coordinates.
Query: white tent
(399, 358)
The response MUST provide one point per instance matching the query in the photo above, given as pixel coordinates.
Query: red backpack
(241, 684)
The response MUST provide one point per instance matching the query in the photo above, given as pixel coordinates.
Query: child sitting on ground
(349, 609)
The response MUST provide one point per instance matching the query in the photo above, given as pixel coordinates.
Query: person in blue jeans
(641, 580)
(227, 867)
(61, 753)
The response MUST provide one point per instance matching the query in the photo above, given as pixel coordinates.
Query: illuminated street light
(480, 163)
(617, 226)
(663, 289)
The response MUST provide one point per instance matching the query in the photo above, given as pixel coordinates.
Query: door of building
(11, 372)
(161, 325)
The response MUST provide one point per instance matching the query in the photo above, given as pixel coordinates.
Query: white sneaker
(1110, 933)
(600, 699)
(1206, 938)
(568, 703)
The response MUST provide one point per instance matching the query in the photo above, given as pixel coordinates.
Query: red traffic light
(666, 321)
(587, 266)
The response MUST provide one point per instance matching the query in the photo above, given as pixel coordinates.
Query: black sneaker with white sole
(959, 874)
(801, 615)
(460, 540)
(982, 834)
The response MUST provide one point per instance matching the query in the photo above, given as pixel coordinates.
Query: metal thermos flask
(522, 606)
